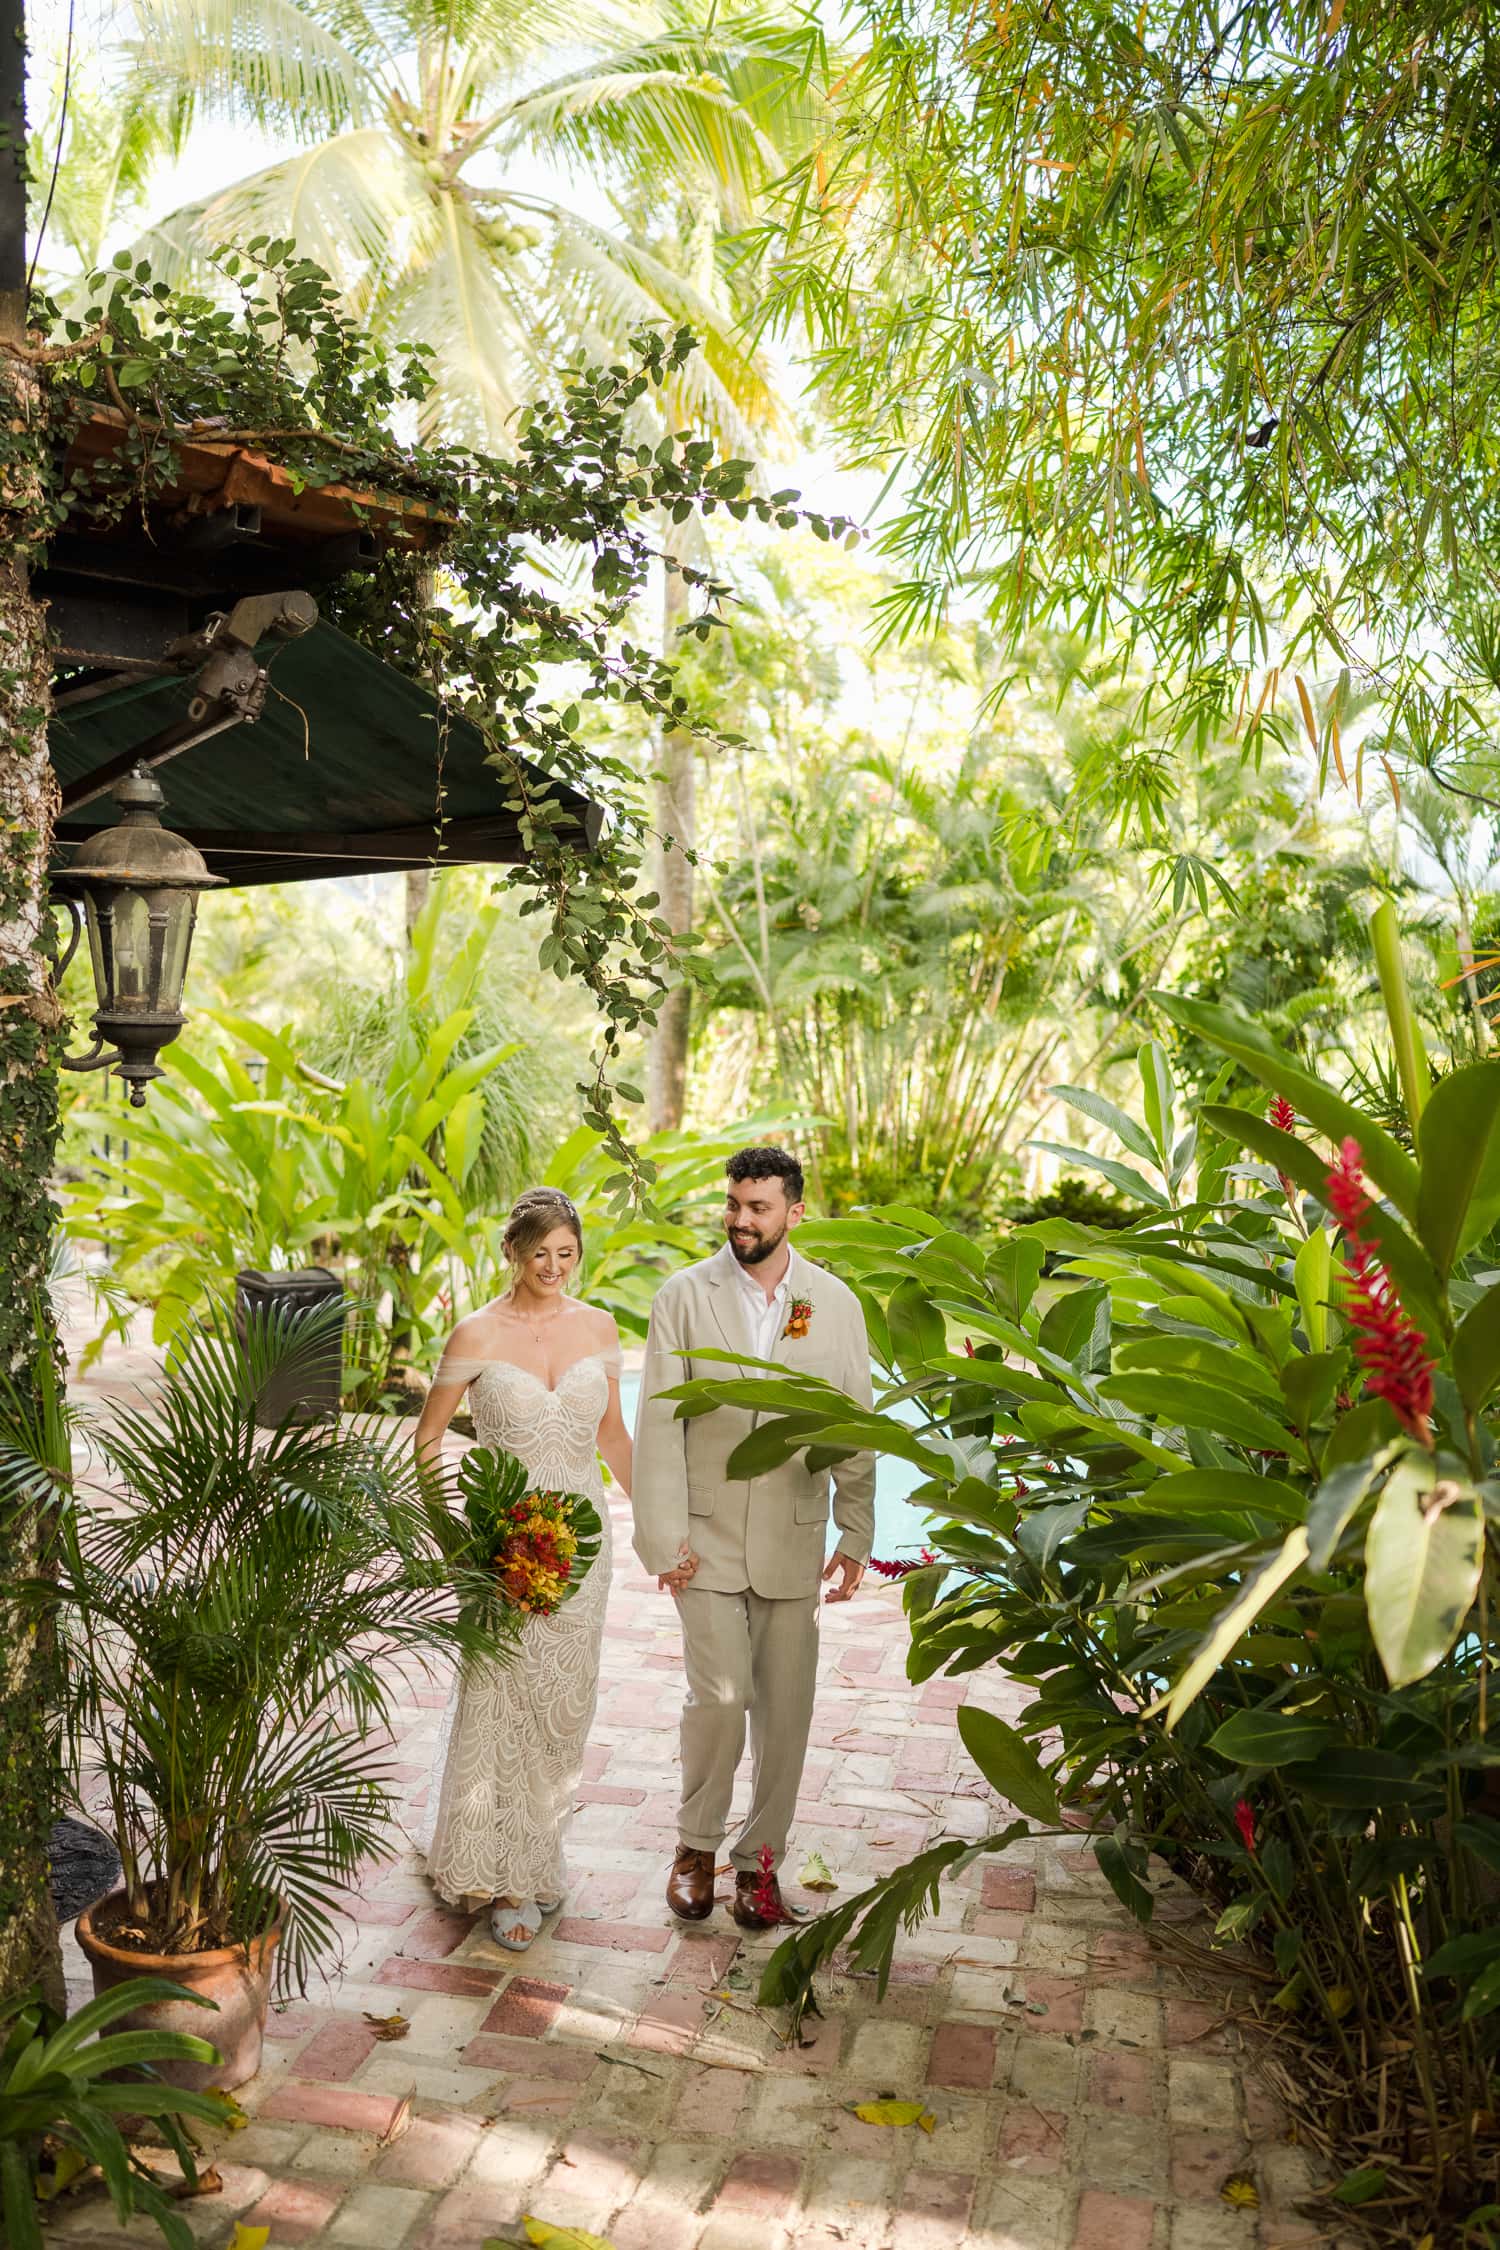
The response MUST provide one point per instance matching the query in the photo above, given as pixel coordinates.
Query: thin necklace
(528, 1323)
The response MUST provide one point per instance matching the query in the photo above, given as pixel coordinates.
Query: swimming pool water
(900, 1529)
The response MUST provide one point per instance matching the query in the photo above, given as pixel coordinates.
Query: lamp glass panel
(174, 913)
(129, 917)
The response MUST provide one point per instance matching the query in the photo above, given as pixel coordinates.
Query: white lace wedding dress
(510, 1753)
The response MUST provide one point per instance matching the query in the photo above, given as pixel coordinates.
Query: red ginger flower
(1284, 1118)
(1390, 1348)
(902, 1569)
(767, 1902)
(1244, 1821)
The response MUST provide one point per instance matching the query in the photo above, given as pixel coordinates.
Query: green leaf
(1386, 1163)
(1179, 1402)
(1483, 1995)
(1410, 1266)
(1122, 1177)
(1458, 1141)
(1123, 1865)
(1481, 1835)
(1199, 1490)
(1423, 1555)
(1269, 1738)
(1156, 1094)
(1335, 1503)
(1314, 1276)
(1258, 1591)
(1009, 1764)
(1476, 1348)
(1361, 2186)
(1013, 1268)
(1105, 1113)
(918, 1330)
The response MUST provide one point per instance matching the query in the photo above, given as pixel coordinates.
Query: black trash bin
(308, 1387)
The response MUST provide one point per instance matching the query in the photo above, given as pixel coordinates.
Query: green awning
(351, 770)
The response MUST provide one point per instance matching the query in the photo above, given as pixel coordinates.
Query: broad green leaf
(1125, 1129)
(1310, 1385)
(1458, 1140)
(1122, 1177)
(918, 1330)
(1258, 1591)
(1423, 1555)
(1412, 1269)
(1314, 1272)
(1200, 1491)
(1335, 1503)
(1014, 1267)
(1009, 1764)
(1386, 1162)
(1180, 1402)
(1156, 1096)
(1123, 1865)
(1481, 1836)
(1269, 1738)
(1483, 1995)
(1476, 1349)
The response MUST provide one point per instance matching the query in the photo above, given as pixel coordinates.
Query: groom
(743, 1557)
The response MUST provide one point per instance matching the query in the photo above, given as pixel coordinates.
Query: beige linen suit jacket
(768, 1534)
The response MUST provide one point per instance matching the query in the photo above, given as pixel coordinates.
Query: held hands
(673, 1581)
(850, 1574)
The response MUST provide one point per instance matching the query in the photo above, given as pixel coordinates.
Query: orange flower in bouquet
(530, 1549)
(534, 1562)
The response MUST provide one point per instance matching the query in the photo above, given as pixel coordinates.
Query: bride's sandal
(552, 1905)
(506, 1920)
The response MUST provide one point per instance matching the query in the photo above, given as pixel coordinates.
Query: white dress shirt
(767, 1315)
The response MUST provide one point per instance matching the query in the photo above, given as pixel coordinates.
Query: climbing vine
(273, 364)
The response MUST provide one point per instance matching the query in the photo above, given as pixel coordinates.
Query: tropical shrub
(66, 2088)
(1222, 1494)
(233, 1635)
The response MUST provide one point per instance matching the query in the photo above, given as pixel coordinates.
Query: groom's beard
(756, 1252)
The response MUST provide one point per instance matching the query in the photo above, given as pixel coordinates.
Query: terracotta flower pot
(237, 1978)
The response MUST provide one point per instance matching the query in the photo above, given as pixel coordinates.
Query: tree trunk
(676, 819)
(418, 892)
(28, 1136)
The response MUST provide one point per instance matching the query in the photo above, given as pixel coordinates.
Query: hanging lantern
(140, 884)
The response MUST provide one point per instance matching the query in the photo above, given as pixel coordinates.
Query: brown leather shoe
(756, 1904)
(690, 1886)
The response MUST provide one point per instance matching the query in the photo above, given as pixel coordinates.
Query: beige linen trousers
(750, 1615)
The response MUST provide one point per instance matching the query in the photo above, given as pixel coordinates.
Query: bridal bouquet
(534, 1548)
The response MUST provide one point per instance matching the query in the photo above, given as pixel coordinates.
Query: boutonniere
(798, 1318)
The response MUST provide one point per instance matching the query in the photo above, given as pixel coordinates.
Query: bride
(543, 1373)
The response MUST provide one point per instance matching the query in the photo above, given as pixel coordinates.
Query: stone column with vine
(28, 1137)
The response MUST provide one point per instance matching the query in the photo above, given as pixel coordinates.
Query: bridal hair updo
(533, 1217)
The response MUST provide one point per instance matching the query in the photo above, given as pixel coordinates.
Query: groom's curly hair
(768, 1164)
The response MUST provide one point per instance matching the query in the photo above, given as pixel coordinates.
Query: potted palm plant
(233, 1605)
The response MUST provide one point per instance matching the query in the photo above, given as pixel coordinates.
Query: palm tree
(418, 127)
(419, 124)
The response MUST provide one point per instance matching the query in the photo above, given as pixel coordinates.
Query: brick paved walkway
(619, 2078)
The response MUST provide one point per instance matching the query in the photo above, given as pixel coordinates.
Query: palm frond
(281, 62)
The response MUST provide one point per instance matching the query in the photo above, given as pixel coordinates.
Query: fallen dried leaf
(894, 2113)
(248, 2238)
(399, 2121)
(1240, 2192)
(205, 2181)
(388, 2027)
(815, 1874)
